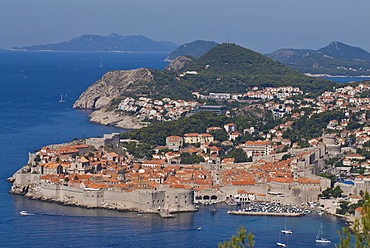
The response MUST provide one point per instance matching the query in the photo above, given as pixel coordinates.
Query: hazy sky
(261, 25)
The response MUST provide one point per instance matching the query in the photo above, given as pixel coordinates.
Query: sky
(261, 25)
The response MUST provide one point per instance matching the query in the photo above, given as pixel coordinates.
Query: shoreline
(32, 196)
(348, 220)
(331, 76)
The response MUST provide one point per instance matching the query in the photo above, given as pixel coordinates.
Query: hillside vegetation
(226, 68)
(232, 69)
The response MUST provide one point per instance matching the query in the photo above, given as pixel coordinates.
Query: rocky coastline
(119, 120)
(112, 86)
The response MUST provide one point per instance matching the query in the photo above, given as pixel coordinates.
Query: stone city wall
(151, 201)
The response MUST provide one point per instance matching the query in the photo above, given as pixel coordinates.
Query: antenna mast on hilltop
(228, 40)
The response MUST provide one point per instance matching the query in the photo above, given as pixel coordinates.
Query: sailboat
(280, 242)
(319, 238)
(286, 231)
(61, 98)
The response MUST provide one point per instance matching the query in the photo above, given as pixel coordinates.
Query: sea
(32, 116)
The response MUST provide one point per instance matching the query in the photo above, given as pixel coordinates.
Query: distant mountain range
(110, 43)
(196, 48)
(335, 59)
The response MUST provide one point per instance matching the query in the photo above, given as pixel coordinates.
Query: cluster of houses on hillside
(346, 99)
(262, 93)
(162, 110)
(166, 109)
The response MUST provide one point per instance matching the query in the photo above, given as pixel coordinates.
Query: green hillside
(230, 60)
(229, 68)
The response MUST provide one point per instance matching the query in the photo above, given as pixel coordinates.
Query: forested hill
(226, 68)
(231, 68)
(334, 59)
(231, 59)
(196, 48)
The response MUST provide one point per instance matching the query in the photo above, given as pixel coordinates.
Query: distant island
(111, 43)
(336, 59)
(196, 49)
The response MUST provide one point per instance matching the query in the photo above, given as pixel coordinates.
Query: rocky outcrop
(110, 118)
(110, 86)
(179, 63)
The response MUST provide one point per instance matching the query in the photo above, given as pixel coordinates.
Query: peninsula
(226, 68)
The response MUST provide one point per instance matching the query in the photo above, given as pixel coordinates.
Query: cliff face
(179, 63)
(99, 95)
(110, 118)
(111, 85)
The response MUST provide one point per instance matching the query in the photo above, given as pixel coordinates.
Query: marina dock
(265, 213)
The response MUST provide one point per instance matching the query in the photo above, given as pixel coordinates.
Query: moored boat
(24, 213)
(280, 243)
(319, 238)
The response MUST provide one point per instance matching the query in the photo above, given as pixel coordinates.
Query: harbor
(269, 209)
(240, 212)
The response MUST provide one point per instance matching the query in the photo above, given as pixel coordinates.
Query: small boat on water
(61, 98)
(285, 230)
(213, 211)
(25, 213)
(319, 238)
(281, 243)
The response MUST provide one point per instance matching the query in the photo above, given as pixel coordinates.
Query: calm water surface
(31, 116)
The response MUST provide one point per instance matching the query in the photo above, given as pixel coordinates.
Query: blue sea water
(346, 79)
(31, 116)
